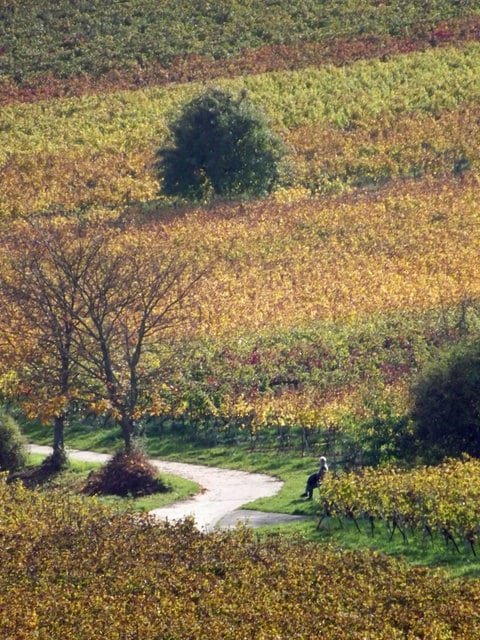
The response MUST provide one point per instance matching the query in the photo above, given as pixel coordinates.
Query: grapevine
(72, 568)
(439, 500)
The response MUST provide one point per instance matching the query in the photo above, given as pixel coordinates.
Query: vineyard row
(442, 499)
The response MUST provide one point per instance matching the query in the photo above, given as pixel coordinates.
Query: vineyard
(330, 295)
(325, 299)
(406, 117)
(441, 500)
(298, 323)
(73, 569)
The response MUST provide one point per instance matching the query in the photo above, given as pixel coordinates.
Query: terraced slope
(327, 298)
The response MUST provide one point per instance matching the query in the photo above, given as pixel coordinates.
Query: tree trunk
(127, 427)
(58, 434)
(58, 459)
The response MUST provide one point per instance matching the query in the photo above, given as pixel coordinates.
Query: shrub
(13, 454)
(447, 404)
(57, 461)
(126, 473)
(220, 145)
(74, 569)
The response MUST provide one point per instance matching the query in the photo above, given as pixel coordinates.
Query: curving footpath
(222, 494)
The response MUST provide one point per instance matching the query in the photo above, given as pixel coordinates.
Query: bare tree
(138, 292)
(89, 304)
(43, 266)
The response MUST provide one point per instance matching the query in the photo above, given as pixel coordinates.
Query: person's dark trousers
(312, 482)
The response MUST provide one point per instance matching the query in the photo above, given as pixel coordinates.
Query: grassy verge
(289, 467)
(418, 550)
(74, 477)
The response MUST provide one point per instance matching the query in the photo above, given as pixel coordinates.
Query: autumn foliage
(74, 569)
(312, 311)
(90, 300)
(437, 501)
(126, 473)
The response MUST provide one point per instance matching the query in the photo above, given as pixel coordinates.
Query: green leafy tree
(447, 404)
(220, 145)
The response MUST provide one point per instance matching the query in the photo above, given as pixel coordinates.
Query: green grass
(290, 467)
(180, 488)
(417, 549)
(73, 478)
(78, 436)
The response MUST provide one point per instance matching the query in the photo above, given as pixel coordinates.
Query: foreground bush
(126, 473)
(72, 569)
(13, 454)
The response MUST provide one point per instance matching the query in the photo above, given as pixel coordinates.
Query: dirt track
(218, 504)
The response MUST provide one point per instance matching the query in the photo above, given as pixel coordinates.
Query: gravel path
(218, 505)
